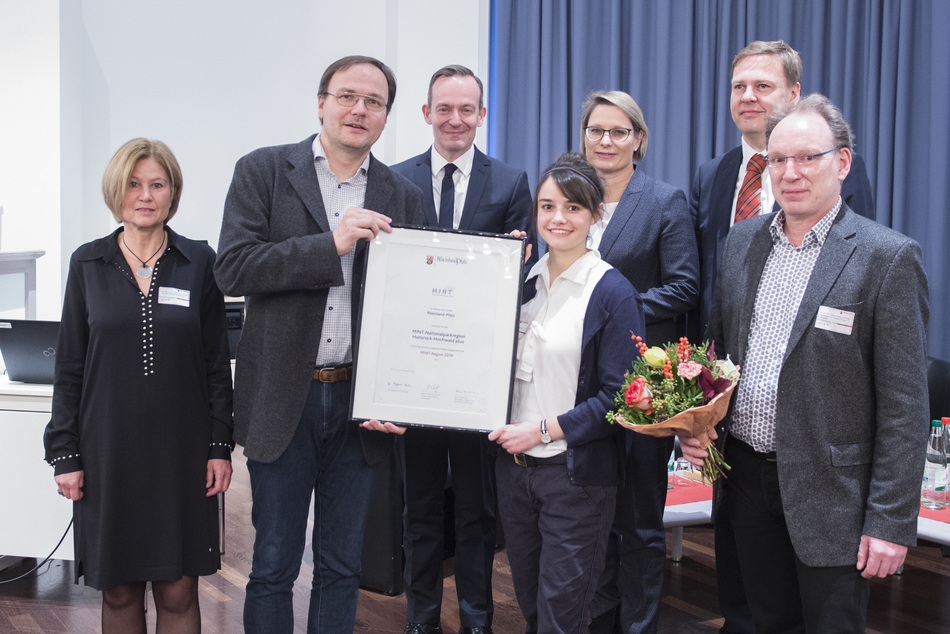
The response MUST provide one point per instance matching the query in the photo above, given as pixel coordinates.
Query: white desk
(34, 515)
(933, 530)
(680, 515)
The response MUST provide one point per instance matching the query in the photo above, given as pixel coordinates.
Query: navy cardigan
(595, 448)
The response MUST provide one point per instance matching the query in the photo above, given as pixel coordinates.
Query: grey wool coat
(276, 249)
(851, 428)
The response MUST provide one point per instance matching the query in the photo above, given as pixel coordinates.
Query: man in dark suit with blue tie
(462, 189)
(826, 312)
(733, 187)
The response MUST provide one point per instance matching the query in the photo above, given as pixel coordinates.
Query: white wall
(214, 79)
(30, 139)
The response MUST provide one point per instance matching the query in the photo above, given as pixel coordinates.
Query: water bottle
(670, 470)
(933, 491)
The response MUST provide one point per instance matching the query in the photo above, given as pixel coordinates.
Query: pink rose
(689, 369)
(639, 396)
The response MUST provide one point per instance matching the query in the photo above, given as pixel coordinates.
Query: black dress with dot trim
(141, 402)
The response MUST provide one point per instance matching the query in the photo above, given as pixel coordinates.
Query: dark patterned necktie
(447, 198)
(749, 201)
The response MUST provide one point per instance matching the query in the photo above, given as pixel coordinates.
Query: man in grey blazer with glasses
(826, 313)
(296, 222)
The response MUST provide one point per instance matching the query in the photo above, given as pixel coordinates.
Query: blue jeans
(324, 457)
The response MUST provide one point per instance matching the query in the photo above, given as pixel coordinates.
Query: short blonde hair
(791, 60)
(115, 181)
(630, 108)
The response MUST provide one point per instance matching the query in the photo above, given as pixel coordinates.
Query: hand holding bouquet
(680, 389)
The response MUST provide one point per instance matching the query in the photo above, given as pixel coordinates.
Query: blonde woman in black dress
(140, 435)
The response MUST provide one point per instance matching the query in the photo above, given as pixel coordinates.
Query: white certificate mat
(438, 329)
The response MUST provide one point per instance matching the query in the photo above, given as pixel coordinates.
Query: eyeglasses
(350, 99)
(779, 162)
(617, 135)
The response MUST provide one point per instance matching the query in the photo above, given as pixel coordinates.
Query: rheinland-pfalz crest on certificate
(438, 328)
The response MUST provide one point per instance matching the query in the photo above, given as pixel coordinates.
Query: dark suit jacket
(276, 249)
(651, 240)
(713, 189)
(498, 198)
(497, 201)
(851, 420)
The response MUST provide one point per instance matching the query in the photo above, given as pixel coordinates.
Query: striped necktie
(749, 201)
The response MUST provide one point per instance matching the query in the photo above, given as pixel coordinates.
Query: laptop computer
(29, 349)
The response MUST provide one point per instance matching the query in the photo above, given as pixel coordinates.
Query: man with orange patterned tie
(735, 185)
(731, 188)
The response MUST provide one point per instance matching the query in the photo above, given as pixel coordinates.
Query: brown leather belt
(334, 374)
(524, 460)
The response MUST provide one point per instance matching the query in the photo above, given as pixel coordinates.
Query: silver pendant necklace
(144, 271)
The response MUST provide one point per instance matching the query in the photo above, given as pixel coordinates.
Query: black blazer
(651, 240)
(498, 198)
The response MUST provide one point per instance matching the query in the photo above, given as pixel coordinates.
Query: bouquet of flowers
(678, 388)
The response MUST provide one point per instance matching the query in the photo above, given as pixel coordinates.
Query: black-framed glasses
(779, 162)
(617, 135)
(350, 99)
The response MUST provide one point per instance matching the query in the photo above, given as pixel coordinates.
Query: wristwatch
(545, 436)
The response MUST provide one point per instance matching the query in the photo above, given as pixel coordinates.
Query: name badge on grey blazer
(835, 320)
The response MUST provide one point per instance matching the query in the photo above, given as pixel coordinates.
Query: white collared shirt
(461, 177)
(765, 197)
(549, 344)
(336, 346)
(784, 279)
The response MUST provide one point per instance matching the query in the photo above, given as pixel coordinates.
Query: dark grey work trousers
(556, 535)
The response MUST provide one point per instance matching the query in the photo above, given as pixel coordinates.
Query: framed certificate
(438, 328)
